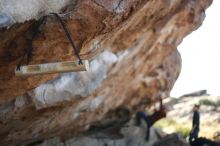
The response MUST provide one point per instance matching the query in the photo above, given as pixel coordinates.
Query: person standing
(195, 124)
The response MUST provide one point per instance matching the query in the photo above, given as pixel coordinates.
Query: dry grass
(169, 126)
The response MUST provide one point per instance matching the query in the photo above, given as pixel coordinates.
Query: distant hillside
(180, 115)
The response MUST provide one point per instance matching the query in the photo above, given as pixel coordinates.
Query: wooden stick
(56, 67)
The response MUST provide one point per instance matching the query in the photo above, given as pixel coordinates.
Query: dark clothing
(202, 141)
(193, 135)
(141, 115)
(157, 115)
(149, 119)
(145, 117)
(196, 118)
(195, 127)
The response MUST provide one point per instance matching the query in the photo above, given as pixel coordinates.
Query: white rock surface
(23, 10)
(74, 85)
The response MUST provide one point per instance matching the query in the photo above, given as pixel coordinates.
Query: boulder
(131, 46)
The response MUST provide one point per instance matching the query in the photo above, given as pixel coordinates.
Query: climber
(195, 124)
(151, 119)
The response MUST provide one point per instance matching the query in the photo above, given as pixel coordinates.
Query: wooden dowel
(57, 67)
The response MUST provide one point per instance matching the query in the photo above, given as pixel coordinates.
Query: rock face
(132, 136)
(131, 46)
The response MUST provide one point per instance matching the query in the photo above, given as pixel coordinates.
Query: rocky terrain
(131, 46)
(178, 121)
(130, 136)
(179, 118)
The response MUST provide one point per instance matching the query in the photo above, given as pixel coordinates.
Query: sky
(200, 52)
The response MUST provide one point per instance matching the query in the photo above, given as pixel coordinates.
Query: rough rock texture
(35, 120)
(132, 136)
(132, 48)
(23, 10)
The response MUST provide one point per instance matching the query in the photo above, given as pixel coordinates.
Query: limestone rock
(23, 10)
(131, 46)
(147, 30)
(132, 136)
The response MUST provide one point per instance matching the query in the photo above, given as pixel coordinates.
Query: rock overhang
(141, 64)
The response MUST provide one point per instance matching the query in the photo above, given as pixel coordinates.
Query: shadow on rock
(201, 141)
(171, 140)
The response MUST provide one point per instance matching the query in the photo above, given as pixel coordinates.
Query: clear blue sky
(200, 53)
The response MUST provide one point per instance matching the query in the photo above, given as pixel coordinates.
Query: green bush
(183, 131)
(218, 103)
(164, 123)
(209, 102)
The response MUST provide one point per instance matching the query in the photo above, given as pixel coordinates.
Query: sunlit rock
(131, 46)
